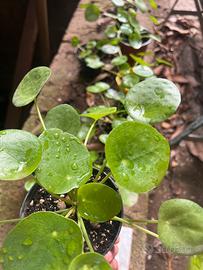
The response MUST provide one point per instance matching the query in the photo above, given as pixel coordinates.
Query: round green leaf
(82, 133)
(119, 60)
(98, 202)
(65, 162)
(111, 31)
(113, 94)
(103, 138)
(126, 29)
(118, 121)
(30, 183)
(30, 86)
(141, 5)
(20, 154)
(138, 156)
(129, 198)
(99, 111)
(196, 262)
(130, 80)
(94, 62)
(92, 12)
(64, 117)
(75, 41)
(122, 15)
(89, 261)
(152, 100)
(45, 241)
(135, 41)
(110, 49)
(143, 71)
(98, 87)
(118, 3)
(94, 155)
(180, 226)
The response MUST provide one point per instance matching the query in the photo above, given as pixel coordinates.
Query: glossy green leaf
(129, 198)
(20, 154)
(152, 100)
(75, 41)
(119, 60)
(30, 86)
(196, 262)
(116, 95)
(154, 19)
(92, 12)
(64, 117)
(99, 111)
(135, 24)
(98, 87)
(110, 49)
(180, 226)
(164, 62)
(45, 241)
(65, 162)
(141, 5)
(153, 4)
(139, 60)
(91, 44)
(118, 3)
(138, 156)
(103, 138)
(130, 80)
(154, 37)
(89, 261)
(84, 54)
(135, 41)
(143, 71)
(30, 183)
(122, 15)
(98, 202)
(126, 29)
(94, 156)
(118, 121)
(94, 62)
(111, 31)
(84, 128)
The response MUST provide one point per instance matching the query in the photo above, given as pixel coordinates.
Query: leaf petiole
(39, 114)
(132, 224)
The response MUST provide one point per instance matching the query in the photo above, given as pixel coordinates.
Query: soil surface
(102, 235)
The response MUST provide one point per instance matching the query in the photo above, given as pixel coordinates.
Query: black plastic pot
(94, 230)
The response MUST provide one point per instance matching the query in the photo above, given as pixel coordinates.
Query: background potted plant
(137, 156)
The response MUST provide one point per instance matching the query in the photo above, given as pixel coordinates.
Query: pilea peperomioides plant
(137, 156)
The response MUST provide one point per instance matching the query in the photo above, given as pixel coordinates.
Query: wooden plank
(24, 61)
(43, 29)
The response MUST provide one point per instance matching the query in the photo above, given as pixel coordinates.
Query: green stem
(39, 114)
(89, 132)
(70, 212)
(110, 15)
(100, 171)
(86, 237)
(110, 71)
(135, 226)
(105, 178)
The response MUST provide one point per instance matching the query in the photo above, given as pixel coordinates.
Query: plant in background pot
(136, 157)
(125, 25)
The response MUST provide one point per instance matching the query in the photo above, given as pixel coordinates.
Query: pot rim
(32, 191)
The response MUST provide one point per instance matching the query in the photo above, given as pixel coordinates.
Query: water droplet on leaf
(27, 242)
(74, 166)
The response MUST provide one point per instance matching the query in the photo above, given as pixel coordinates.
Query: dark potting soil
(102, 235)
